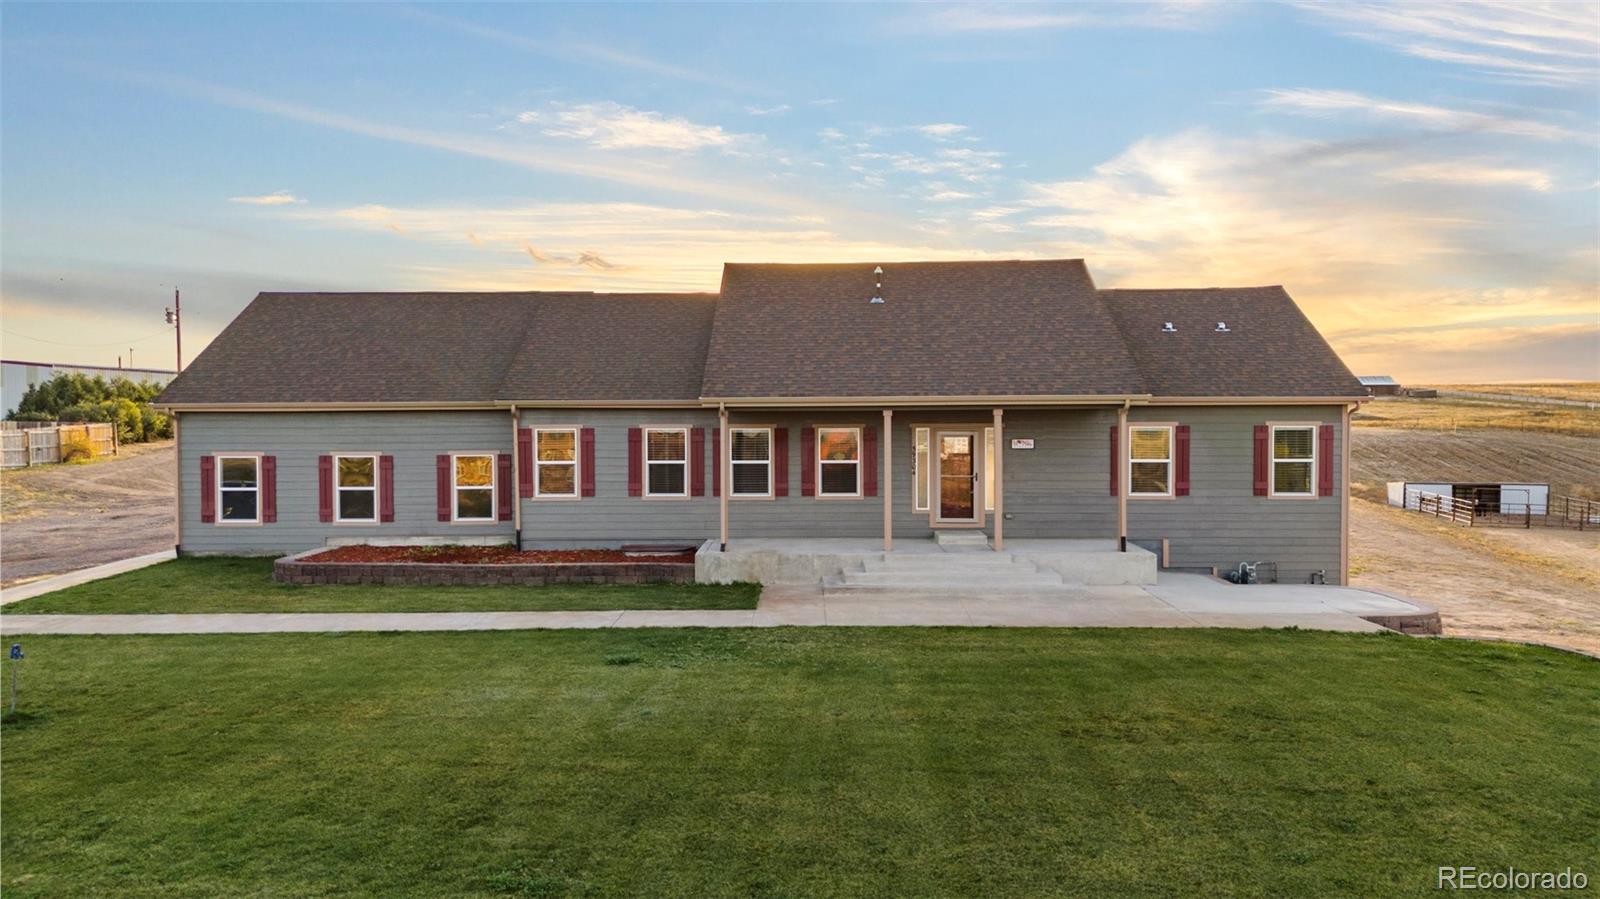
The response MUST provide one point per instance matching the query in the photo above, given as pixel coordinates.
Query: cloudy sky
(1422, 178)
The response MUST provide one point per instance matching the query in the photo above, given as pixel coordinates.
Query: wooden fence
(22, 447)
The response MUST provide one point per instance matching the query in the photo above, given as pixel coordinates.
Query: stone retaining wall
(292, 570)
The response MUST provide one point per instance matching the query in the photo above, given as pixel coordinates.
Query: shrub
(157, 425)
(128, 419)
(77, 448)
(85, 412)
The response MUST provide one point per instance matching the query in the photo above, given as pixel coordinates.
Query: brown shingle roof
(613, 347)
(358, 348)
(944, 329)
(1270, 349)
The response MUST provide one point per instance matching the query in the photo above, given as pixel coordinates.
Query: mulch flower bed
(486, 555)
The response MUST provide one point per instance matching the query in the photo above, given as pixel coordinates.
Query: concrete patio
(1176, 600)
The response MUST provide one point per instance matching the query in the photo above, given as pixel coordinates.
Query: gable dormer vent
(1169, 328)
(877, 289)
(1222, 328)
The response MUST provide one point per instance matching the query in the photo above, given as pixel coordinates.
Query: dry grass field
(1459, 414)
(1539, 585)
(1588, 391)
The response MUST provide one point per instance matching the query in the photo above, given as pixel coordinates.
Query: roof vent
(1169, 328)
(877, 290)
(1222, 327)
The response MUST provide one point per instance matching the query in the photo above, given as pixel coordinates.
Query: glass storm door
(957, 476)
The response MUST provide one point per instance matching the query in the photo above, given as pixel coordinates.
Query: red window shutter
(505, 487)
(808, 461)
(525, 462)
(269, 489)
(1261, 460)
(869, 461)
(697, 461)
(324, 488)
(635, 462)
(208, 488)
(1181, 461)
(1115, 481)
(586, 459)
(442, 491)
(780, 461)
(716, 461)
(1325, 460)
(386, 488)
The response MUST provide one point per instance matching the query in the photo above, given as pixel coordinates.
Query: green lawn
(229, 584)
(790, 762)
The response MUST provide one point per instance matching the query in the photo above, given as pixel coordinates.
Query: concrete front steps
(964, 573)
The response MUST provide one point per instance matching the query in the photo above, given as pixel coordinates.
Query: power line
(160, 333)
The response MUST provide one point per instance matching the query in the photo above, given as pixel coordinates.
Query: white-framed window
(988, 469)
(1150, 460)
(751, 450)
(666, 461)
(355, 482)
(1294, 460)
(838, 461)
(555, 462)
(921, 441)
(472, 482)
(239, 489)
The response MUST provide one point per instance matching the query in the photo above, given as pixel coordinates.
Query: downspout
(177, 452)
(516, 476)
(998, 464)
(1344, 499)
(1122, 476)
(725, 478)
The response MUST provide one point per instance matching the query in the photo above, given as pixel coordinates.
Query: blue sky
(1423, 179)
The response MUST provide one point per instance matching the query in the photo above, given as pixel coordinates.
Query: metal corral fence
(1557, 512)
(39, 443)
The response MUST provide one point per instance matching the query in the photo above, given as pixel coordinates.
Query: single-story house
(877, 402)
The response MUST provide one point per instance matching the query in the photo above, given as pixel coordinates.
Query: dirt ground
(57, 518)
(1539, 585)
(1570, 464)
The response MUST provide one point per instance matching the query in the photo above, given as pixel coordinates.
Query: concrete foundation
(852, 564)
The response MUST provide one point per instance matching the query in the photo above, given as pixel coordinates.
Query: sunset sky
(1422, 178)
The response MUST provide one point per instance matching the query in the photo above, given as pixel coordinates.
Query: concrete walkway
(1178, 600)
(30, 589)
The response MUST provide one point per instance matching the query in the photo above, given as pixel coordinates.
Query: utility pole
(130, 357)
(174, 318)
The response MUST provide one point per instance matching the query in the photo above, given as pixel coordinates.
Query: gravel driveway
(58, 518)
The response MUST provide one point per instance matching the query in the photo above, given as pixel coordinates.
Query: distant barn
(1380, 385)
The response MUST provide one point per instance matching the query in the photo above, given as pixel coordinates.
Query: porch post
(725, 476)
(1344, 500)
(888, 480)
(998, 463)
(1122, 478)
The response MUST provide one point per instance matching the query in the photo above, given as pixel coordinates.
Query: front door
(958, 476)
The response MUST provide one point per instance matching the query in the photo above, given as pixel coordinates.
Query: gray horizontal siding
(1221, 523)
(298, 438)
(1057, 489)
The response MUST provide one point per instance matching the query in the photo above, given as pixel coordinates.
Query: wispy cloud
(612, 126)
(1327, 103)
(1469, 173)
(941, 130)
(1555, 44)
(1011, 17)
(779, 109)
(601, 246)
(276, 198)
(715, 186)
(1359, 252)
(576, 49)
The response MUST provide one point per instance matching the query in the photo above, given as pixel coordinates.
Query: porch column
(998, 463)
(1122, 478)
(725, 476)
(888, 480)
(516, 477)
